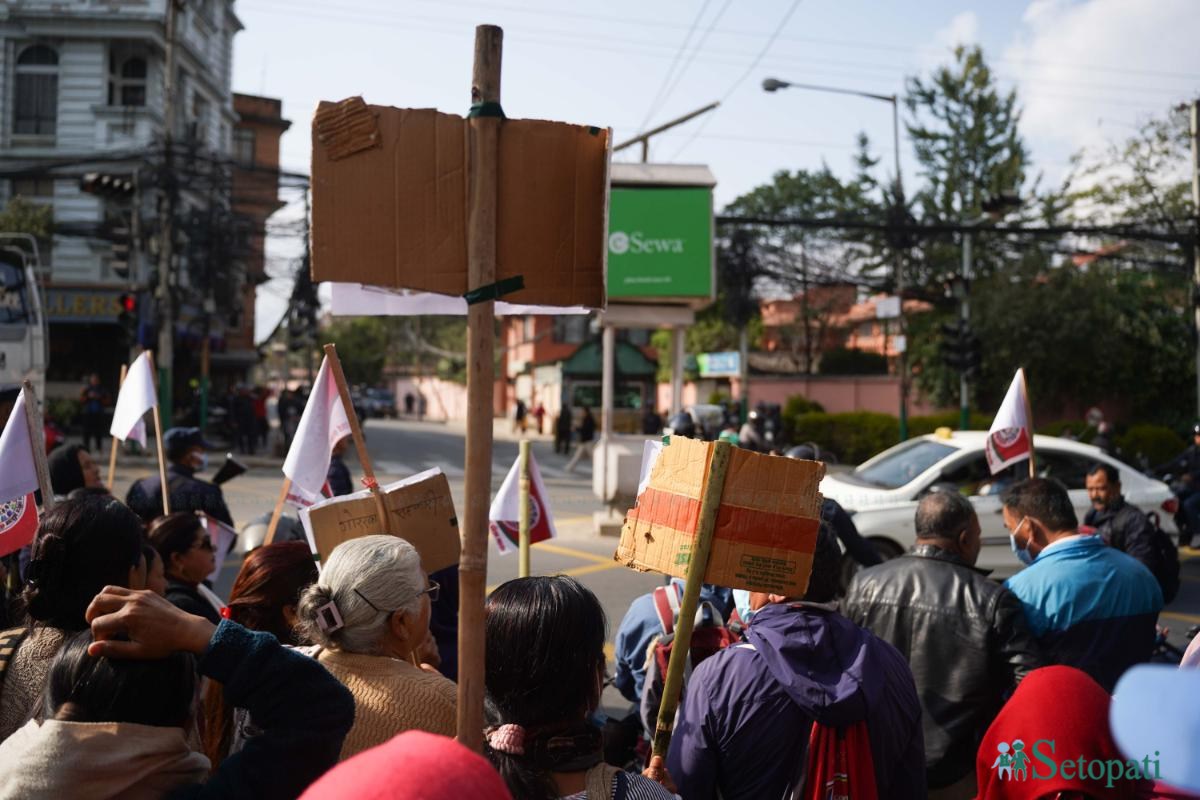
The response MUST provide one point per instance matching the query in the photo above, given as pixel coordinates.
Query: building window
(243, 147)
(866, 329)
(199, 117)
(36, 111)
(530, 326)
(571, 329)
(127, 82)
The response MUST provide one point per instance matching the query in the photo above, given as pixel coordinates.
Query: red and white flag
(1010, 439)
(18, 482)
(322, 425)
(505, 515)
(137, 396)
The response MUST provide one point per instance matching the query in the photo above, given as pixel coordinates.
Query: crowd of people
(124, 675)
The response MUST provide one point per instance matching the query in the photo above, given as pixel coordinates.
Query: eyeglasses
(433, 590)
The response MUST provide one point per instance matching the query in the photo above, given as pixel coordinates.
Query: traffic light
(961, 349)
(127, 316)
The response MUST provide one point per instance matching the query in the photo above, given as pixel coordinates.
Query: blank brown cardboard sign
(766, 527)
(390, 203)
(421, 511)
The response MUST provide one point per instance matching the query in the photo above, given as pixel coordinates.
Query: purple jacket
(742, 728)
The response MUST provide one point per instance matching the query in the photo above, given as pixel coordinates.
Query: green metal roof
(630, 362)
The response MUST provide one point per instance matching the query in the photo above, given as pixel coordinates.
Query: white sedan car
(882, 493)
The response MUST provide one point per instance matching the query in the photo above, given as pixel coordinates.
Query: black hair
(1044, 499)
(82, 546)
(826, 567)
(174, 534)
(545, 658)
(1109, 471)
(159, 692)
(943, 515)
(65, 473)
(89, 491)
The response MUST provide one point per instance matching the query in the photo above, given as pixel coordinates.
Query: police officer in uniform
(187, 453)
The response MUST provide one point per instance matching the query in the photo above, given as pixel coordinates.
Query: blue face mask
(741, 601)
(1022, 553)
(202, 462)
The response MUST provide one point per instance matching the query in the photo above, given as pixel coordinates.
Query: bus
(23, 334)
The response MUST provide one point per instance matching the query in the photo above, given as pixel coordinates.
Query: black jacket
(1128, 529)
(965, 638)
(1186, 463)
(188, 493)
(188, 598)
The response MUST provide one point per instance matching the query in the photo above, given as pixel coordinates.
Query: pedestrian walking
(587, 432)
(94, 401)
(539, 416)
(520, 411)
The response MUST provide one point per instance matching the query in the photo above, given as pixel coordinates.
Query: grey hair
(943, 514)
(385, 570)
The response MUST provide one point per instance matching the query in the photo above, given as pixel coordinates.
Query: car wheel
(887, 551)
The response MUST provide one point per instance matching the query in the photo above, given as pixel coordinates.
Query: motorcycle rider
(1187, 466)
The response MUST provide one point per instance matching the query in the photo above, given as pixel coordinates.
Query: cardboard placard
(767, 521)
(421, 511)
(390, 203)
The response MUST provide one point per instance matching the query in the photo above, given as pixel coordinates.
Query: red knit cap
(415, 766)
(1059, 704)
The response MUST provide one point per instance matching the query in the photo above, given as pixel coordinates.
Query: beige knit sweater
(390, 697)
(21, 691)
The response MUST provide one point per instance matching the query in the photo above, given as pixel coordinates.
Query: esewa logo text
(1014, 763)
(620, 243)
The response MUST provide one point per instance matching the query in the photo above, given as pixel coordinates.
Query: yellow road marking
(1184, 617)
(573, 553)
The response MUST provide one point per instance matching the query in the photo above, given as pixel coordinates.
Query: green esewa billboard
(660, 242)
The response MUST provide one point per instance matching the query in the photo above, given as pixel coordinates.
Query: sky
(1087, 72)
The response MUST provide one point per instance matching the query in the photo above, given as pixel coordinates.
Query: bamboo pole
(112, 454)
(162, 457)
(523, 546)
(360, 444)
(483, 152)
(37, 443)
(278, 512)
(697, 566)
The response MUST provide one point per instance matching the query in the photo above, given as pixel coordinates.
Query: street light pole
(773, 85)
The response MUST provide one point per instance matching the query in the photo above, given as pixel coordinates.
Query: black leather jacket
(965, 638)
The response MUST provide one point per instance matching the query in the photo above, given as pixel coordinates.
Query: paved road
(402, 448)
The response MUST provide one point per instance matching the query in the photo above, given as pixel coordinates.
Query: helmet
(682, 425)
(805, 452)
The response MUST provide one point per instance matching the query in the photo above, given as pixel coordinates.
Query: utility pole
(902, 355)
(1196, 236)
(164, 292)
(964, 399)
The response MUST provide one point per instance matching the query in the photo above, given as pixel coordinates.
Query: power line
(699, 46)
(674, 62)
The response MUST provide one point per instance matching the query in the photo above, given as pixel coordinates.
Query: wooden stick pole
(112, 454)
(482, 186)
(523, 550)
(278, 512)
(697, 566)
(360, 444)
(1029, 416)
(37, 442)
(162, 456)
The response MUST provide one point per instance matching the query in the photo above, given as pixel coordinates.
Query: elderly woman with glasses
(368, 616)
(188, 559)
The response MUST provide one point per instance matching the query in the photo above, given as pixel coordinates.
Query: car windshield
(907, 462)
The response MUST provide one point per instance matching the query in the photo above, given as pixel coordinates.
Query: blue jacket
(1090, 606)
(640, 625)
(188, 493)
(743, 726)
(304, 713)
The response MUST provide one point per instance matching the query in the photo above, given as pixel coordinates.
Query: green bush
(919, 426)
(718, 398)
(853, 436)
(796, 405)
(63, 410)
(844, 361)
(1153, 442)
(1077, 428)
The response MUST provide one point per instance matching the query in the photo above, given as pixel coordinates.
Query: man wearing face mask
(964, 636)
(1090, 606)
(187, 453)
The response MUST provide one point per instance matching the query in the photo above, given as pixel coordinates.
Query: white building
(82, 90)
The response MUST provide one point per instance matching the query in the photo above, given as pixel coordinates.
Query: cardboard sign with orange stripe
(766, 522)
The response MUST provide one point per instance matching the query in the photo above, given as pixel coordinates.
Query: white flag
(505, 515)
(1010, 439)
(18, 475)
(137, 396)
(322, 425)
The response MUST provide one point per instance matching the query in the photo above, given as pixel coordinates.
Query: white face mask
(200, 461)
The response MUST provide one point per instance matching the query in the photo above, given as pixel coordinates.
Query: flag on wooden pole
(504, 516)
(137, 396)
(323, 424)
(18, 482)
(1010, 439)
